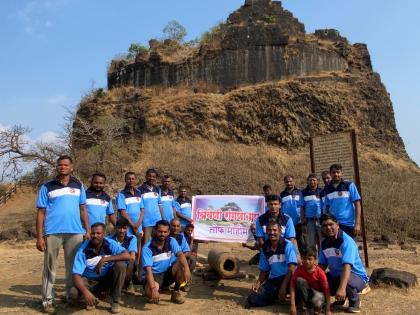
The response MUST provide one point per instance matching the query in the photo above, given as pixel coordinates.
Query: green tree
(135, 49)
(175, 31)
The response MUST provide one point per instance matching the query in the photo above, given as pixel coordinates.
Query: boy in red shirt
(309, 286)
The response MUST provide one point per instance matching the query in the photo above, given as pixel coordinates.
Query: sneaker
(177, 298)
(48, 307)
(90, 307)
(115, 307)
(340, 304)
(354, 307)
(247, 306)
(366, 290)
(130, 289)
(185, 288)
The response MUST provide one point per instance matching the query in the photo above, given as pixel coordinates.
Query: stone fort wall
(231, 68)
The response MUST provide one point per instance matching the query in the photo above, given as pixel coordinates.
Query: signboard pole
(340, 148)
(359, 187)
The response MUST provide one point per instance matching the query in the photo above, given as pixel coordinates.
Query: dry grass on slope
(390, 185)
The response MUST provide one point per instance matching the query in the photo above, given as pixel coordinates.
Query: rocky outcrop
(270, 83)
(259, 42)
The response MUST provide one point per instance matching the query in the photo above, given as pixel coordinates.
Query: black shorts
(164, 279)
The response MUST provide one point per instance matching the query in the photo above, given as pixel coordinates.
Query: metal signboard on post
(341, 148)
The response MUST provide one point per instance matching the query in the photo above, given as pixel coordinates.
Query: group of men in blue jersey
(298, 221)
(149, 218)
(153, 244)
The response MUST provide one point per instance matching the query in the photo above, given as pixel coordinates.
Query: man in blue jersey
(278, 261)
(98, 202)
(183, 207)
(179, 236)
(167, 199)
(152, 208)
(157, 263)
(310, 212)
(176, 233)
(192, 244)
(326, 179)
(130, 205)
(346, 274)
(129, 242)
(99, 266)
(291, 201)
(343, 201)
(274, 214)
(62, 221)
(267, 192)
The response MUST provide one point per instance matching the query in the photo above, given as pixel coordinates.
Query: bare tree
(100, 144)
(16, 151)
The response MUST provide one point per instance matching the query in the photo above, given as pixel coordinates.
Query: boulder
(388, 239)
(400, 279)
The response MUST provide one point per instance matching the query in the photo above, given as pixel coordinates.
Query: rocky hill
(237, 112)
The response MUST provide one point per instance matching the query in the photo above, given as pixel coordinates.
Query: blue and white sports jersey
(323, 204)
(98, 206)
(151, 200)
(277, 263)
(167, 201)
(62, 206)
(337, 252)
(129, 242)
(312, 202)
(291, 203)
(183, 243)
(132, 204)
(185, 208)
(340, 201)
(286, 223)
(86, 259)
(159, 260)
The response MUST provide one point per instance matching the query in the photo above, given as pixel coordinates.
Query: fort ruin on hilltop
(259, 42)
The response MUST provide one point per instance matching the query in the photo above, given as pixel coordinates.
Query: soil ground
(21, 267)
(21, 276)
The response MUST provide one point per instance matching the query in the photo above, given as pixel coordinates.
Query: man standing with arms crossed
(150, 195)
(291, 201)
(98, 202)
(167, 199)
(343, 201)
(61, 221)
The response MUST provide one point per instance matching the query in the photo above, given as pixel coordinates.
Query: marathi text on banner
(225, 218)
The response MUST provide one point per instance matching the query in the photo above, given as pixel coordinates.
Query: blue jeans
(268, 293)
(313, 232)
(354, 286)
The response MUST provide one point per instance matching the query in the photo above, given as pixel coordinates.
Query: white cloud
(48, 136)
(34, 16)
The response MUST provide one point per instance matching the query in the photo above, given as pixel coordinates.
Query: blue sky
(54, 51)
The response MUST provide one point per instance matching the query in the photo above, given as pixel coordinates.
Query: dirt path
(20, 274)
